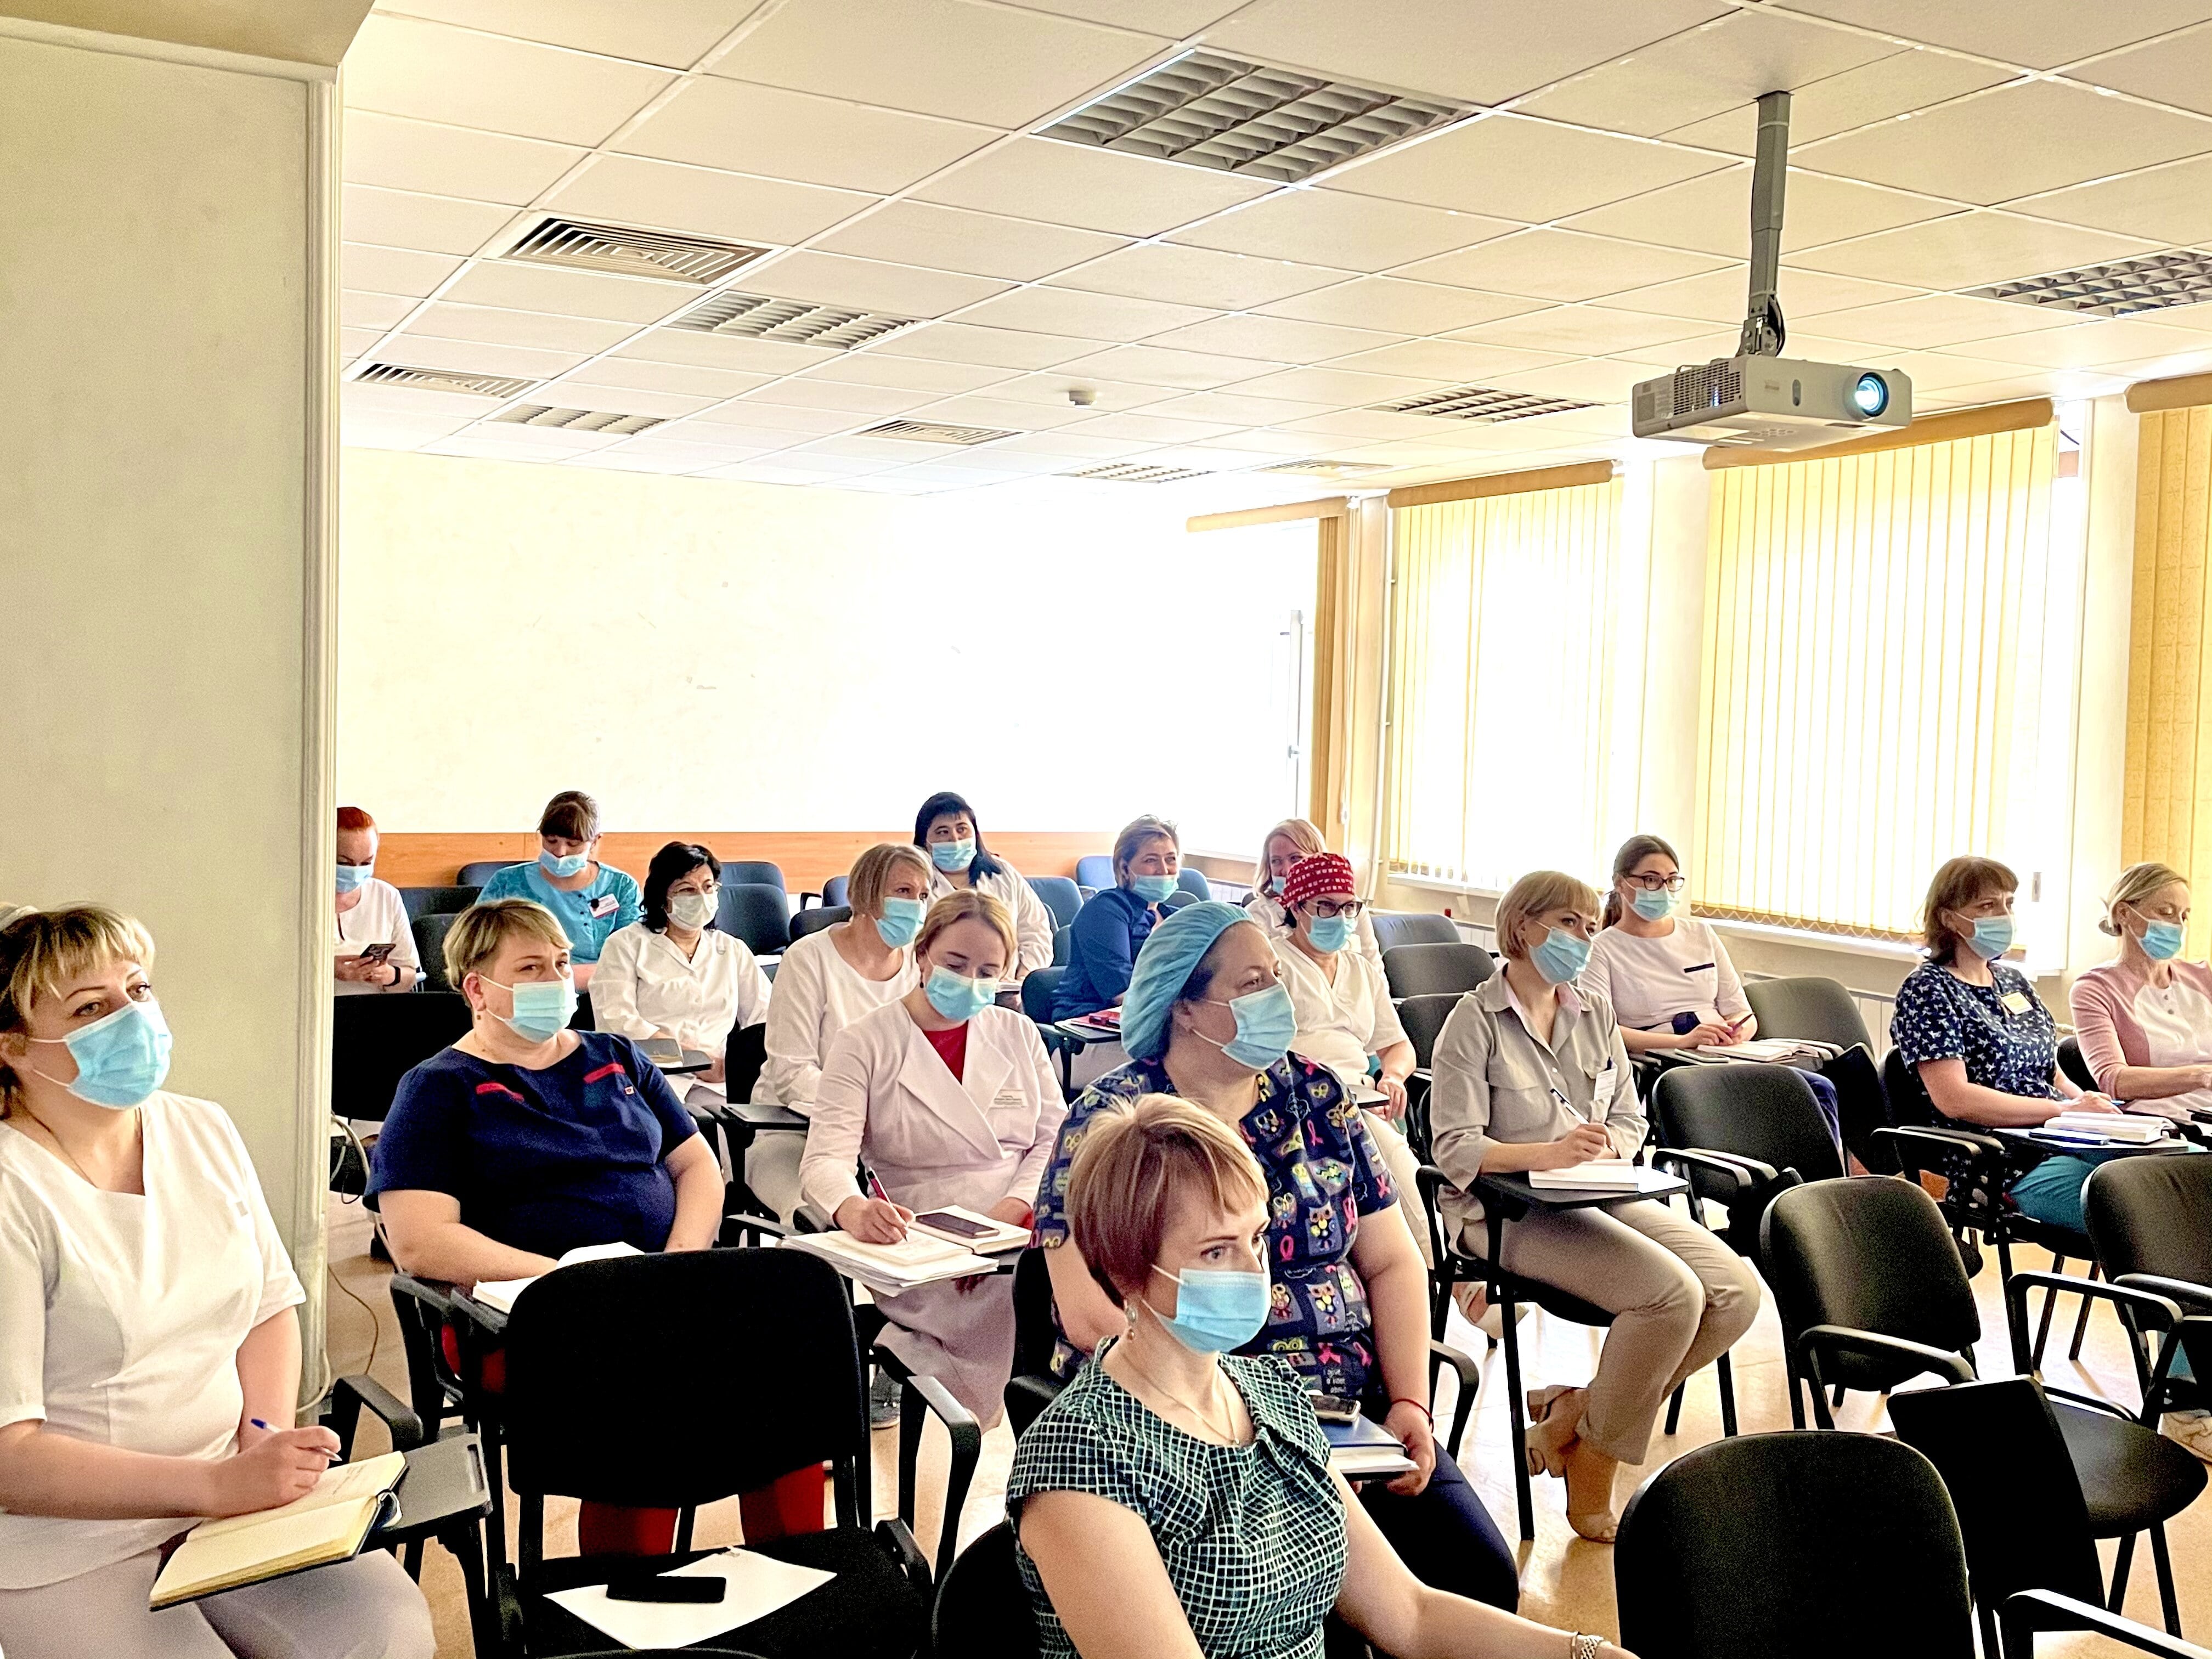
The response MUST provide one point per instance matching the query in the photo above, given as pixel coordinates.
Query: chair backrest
(1424, 1019)
(1816, 1544)
(1436, 969)
(1817, 1010)
(1870, 1253)
(1910, 1105)
(1063, 945)
(376, 1040)
(1059, 896)
(743, 1058)
(476, 874)
(1094, 870)
(2147, 1215)
(1176, 900)
(757, 872)
(2071, 1062)
(419, 902)
(815, 917)
(1039, 989)
(430, 933)
(1396, 927)
(982, 1609)
(756, 913)
(834, 890)
(587, 1018)
(1763, 1112)
(1035, 1335)
(596, 1351)
(1195, 881)
(2000, 1450)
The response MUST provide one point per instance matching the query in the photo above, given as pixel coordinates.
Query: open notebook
(500, 1293)
(890, 1268)
(330, 1523)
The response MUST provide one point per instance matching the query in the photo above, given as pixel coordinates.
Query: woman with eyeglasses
(1286, 844)
(1667, 976)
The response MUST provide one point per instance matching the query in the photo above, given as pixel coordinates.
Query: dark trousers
(1446, 1538)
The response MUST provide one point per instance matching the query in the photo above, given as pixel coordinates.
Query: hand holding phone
(379, 954)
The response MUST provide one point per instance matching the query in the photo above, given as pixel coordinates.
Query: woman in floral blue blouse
(1205, 1017)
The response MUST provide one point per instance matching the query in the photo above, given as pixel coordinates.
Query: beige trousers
(1680, 1298)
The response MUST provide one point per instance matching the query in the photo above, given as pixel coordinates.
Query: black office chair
(585, 1018)
(429, 931)
(834, 890)
(1436, 969)
(982, 1609)
(817, 917)
(757, 913)
(595, 1353)
(1194, 883)
(1740, 1135)
(419, 902)
(1059, 896)
(2071, 1062)
(377, 1041)
(1032, 1387)
(2151, 1219)
(1816, 1010)
(476, 874)
(1396, 927)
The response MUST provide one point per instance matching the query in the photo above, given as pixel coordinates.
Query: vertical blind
(1875, 685)
(1502, 642)
(2167, 806)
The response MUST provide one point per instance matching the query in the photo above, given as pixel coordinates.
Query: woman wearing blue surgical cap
(1115, 922)
(1206, 1017)
(945, 829)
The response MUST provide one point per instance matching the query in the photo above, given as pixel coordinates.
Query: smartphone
(959, 1225)
(1335, 1408)
(379, 954)
(667, 1589)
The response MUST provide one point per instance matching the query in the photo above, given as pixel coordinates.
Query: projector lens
(1871, 395)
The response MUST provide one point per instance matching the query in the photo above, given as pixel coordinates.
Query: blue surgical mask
(952, 855)
(1329, 933)
(543, 1008)
(957, 997)
(353, 877)
(1654, 906)
(1216, 1309)
(900, 922)
(1274, 887)
(121, 1058)
(1266, 1023)
(1561, 956)
(2162, 940)
(1992, 937)
(1153, 890)
(571, 866)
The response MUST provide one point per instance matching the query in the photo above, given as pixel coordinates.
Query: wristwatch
(1583, 1646)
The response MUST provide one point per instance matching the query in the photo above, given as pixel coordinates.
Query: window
(1888, 653)
(1516, 631)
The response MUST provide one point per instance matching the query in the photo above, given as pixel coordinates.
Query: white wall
(164, 362)
(711, 654)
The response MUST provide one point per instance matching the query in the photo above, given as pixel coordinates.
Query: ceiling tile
(406, 66)
(2061, 383)
(1073, 445)
(448, 321)
(627, 457)
(476, 444)
(450, 160)
(1357, 233)
(1935, 371)
(376, 311)
(682, 445)
(925, 55)
(1594, 379)
(1095, 316)
(682, 378)
(587, 393)
(1908, 80)
(1053, 386)
(792, 135)
(1338, 386)
(1092, 189)
(1486, 54)
(1969, 250)
(1444, 360)
(1400, 306)
(906, 373)
(1152, 428)
(1522, 169)
(411, 403)
(475, 358)
(2167, 204)
(1720, 296)
(980, 244)
(664, 195)
(1190, 371)
(569, 293)
(867, 284)
(1592, 330)
(678, 345)
(1704, 71)
(754, 411)
(1198, 276)
(984, 410)
(369, 430)
(1939, 321)
(796, 393)
(392, 270)
(1370, 423)
(1300, 446)
(2013, 140)
(850, 457)
(1005, 347)
(1275, 338)
(434, 224)
(1233, 406)
(1712, 215)
(352, 341)
(675, 34)
(725, 424)
(2088, 345)
(1561, 264)
(2175, 70)
(2041, 33)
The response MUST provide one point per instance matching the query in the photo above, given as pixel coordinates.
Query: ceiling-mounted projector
(1759, 399)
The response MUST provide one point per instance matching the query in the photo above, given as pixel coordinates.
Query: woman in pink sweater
(2144, 1019)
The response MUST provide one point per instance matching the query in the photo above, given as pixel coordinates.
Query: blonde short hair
(1534, 894)
(42, 950)
(1131, 842)
(1301, 833)
(871, 874)
(2136, 883)
(1959, 883)
(478, 931)
(1137, 1166)
(959, 906)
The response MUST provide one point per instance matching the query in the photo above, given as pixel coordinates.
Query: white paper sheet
(758, 1585)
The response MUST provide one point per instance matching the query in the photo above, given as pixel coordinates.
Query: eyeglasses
(1653, 883)
(1329, 909)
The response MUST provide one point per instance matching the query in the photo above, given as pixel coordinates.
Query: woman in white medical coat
(946, 830)
(949, 1099)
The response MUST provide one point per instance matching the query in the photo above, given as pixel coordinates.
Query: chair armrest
(1950, 1366)
(2030, 1611)
(1469, 1372)
(2159, 1313)
(807, 1219)
(1470, 1383)
(742, 1224)
(1947, 1140)
(1742, 1172)
(433, 1293)
(958, 1420)
(2192, 1297)
(342, 1415)
(897, 1539)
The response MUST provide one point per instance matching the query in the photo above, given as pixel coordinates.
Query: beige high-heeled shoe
(1543, 1459)
(1588, 1468)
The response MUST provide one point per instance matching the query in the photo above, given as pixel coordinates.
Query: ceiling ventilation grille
(580, 246)
(1329, 469)
(1477, 403)
(2122, 288)
(924, 432)
(577, 420)
(1130, 472)
(790, 322)
(441, 380)
(1206, 109)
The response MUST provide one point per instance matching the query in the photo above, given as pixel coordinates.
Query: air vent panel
(1479, 403)
(2122, 288)
(576, 420)
(442, 379)
(580, 246)
(1131, 472)
(789, 322)
(1325, 469)
(925, 432)
(1207, 109)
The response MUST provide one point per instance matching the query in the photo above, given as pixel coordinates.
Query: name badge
(1010, 1097)
(2015, 1002)
(604, 905)
(1601, 1093)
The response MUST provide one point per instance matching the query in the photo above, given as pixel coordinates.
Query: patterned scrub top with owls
(1323, 1174)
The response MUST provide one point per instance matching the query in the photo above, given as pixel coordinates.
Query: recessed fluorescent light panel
(788, 322)
(441, 380)
(1208, 110)
(1478, 402)
(579, 247)
(926, 432)
(1329, 469)
(1130, 472)
(2125, 287)
(577, 420)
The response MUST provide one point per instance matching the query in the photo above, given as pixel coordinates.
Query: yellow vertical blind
(1502, 614)
(1874, 677)
(2166, 806)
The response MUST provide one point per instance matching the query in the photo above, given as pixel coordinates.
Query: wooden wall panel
(808, 858)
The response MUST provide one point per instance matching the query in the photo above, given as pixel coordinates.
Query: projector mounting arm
(1764, 331)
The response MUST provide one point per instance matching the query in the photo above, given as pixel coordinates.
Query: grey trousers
(365, 1609)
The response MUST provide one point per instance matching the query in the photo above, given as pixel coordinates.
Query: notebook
(2111, 1126)
(500, 1293)
(1772, 1051)
(1602, 1175)
(1364, 1449)
(890, 1268)
(330, 1523)
(957, 1225)
(663, 1051)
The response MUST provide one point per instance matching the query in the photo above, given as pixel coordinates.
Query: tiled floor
(1564, 1580)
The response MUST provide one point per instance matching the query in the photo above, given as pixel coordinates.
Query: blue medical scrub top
(590, 914)
(544, 1161)
(1109, 930)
